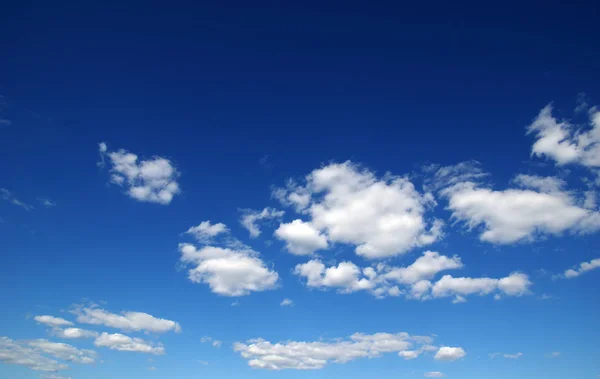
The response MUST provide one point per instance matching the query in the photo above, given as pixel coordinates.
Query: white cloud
(205, 231)
(433, 374)
(301, 238)
(554, 354)
(507, 356)
(213, 342)
(251, 217)
(18, 353)
(412, 281)
(52, 321)
(72, 333)
(46, 202)
(425, 267)
(151, 368)
(262, 354)
(513, 356)
(64, 351)
(127, 320)
(153, 180)
(381, 217)
(8, 196)
(122, 342)
(541, 207)
(449, 354)
(54, 376)
(235, 271)
(564, 142)
(287, 303)
(583, 267)
(516, 284)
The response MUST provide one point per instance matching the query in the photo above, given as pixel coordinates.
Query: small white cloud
(236, 271)
(46, 202)
(582, 268)
(213, 342)
(122, 342)
(251, 217)
(554, 354)
(513, 356)
(153, 180)
(449, 354)
(235, 303)
(433, 374)
(151, 368)
(203, 363)
(205, 231)
(52, 321)
(286, 302)
(127, 320)
(72, 333)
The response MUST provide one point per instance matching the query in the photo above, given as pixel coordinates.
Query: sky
(299, 189)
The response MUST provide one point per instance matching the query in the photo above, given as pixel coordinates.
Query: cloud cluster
(381, 217)
(63, 351)
(117, 341)
(413, 281)
(19, 353)
(298, 355)
(127, 320)
(153, 180)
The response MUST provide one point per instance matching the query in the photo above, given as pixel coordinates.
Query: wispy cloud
(8, 196)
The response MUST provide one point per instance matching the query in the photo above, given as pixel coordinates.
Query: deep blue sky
(240, 97)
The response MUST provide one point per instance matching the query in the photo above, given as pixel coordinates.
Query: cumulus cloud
(299, 355)
(235, 271)
(516, 284)
(127, 320)
(64, 351)
(73, 333)
(122, 342)
(250, 219)
(205, 231)
(582, 268)
(413, 281)
(19, 353)
(449, 354)
(153, 180)
(8, 196)
(538, 206)
(381, 217)
(301, 238)
(52, 321)
(433, 374)
(564, 142)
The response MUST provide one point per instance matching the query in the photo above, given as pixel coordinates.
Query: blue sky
(335, 191)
